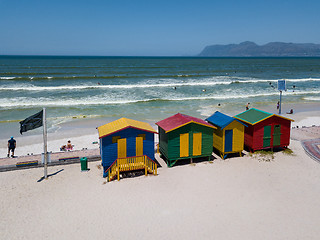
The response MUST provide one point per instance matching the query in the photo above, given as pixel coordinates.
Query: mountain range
(272, 49)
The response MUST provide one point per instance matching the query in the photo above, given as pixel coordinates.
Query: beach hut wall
(229, 135)
(184, 137)
(265, 130)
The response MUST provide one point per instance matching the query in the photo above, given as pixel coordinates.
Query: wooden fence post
(118, 172)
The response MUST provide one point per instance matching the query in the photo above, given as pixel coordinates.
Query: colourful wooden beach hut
(229, 135)
(265, 130)
(184, 137)
(126, 145)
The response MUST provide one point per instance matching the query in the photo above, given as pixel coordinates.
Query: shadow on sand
(49, 175)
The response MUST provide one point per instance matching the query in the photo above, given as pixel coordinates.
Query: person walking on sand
(278, 105)
(247, 106)
(11, 146)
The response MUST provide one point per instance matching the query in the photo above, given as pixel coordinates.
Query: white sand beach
(238, 198)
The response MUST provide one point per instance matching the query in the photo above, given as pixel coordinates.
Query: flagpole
(45, 150)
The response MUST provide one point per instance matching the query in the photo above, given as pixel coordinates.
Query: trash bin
(84, 164)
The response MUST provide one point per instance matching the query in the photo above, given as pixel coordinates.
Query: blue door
(228, 141)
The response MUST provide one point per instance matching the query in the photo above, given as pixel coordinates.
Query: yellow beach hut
(229, 135)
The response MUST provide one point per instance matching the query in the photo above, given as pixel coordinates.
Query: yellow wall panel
(218, 139)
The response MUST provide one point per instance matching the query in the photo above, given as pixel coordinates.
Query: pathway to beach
(310, 140)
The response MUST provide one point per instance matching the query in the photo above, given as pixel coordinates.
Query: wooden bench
(69, 158)
(27, 163)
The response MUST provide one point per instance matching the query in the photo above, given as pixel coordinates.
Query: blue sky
(150, 28)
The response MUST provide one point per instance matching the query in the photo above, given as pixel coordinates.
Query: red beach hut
(265, 130)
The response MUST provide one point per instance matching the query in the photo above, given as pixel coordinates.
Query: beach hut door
(122, 148)
(266, 136)
(139, 146)
(276, 135)
(228, 141)
(184, 145)
(197, 143)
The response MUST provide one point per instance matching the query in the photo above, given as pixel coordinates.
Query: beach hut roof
(221, 120)
(254, 116)
(121, 124)
(179, 120)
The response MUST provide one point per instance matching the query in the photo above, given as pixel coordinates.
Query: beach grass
(288, 151)
(263, 155)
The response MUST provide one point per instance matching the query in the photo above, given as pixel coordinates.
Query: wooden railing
(130, 164)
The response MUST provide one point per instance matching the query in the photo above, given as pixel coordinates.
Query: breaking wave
(206, 83)
(23, 102)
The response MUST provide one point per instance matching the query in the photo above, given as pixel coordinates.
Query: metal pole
(280, 102)
(45, 144)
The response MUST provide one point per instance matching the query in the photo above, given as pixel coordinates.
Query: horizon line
(151, 56)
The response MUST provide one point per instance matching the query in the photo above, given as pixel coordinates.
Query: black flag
(31, 122)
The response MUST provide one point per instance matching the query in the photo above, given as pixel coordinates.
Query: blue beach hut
(126, 145)
(228, 137)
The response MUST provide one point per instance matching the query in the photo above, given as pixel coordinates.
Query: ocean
(146, 88)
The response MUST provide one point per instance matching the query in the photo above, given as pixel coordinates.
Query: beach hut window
(184, 145)
(197, 144)
(143, 136)
(115, 139)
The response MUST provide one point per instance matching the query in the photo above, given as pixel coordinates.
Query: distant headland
(272, 49)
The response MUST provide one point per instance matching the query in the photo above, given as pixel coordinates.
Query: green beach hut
(184, 137)
(229, 135)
